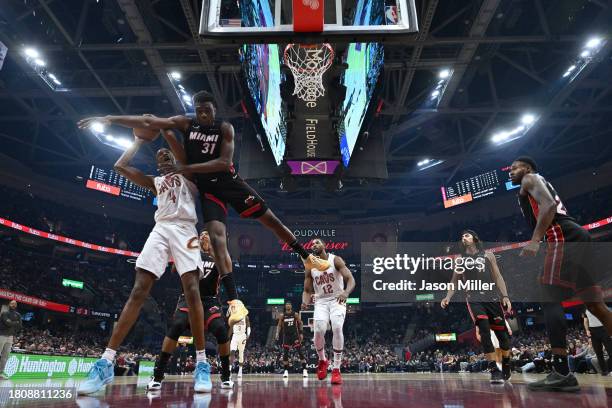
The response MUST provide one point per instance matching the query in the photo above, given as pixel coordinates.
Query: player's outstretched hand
(342, 297)
(304, 306)
(87, 122)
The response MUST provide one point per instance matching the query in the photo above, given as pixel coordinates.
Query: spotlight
(109, 138)
(585, 53)
(593, 42)
(435, 93)
(175, 75)
(571, 68)
(123, 142)
(187, 99)
(40, 62)
(528, 119)
(444, 73)
(31, 52)
(97, 127)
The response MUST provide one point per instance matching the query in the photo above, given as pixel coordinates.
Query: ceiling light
(435, 93)
(97, 127)
(585, 53)
(593, 42)
(31, 52)
(123, 142)
(175, 75)
(528, 119)
(444, 73)
(40, 62)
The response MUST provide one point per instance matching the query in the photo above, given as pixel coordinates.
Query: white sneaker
(286, 374)
(305, 373)
(154, 385)
(227, 384)
(240, 372)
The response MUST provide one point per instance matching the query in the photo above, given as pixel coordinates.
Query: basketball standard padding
(146, 134)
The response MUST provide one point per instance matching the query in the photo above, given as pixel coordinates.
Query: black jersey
(530, 210)
(202, 144)
(209, 283)
(479, 276)
(289, 328)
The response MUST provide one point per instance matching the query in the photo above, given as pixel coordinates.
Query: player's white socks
(109, 355)
(337, 360)
(200, 356)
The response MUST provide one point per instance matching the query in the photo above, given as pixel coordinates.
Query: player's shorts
(218, 193)
(329, 309)
(238, 343)
(170, 239)
(569, 263)
(180, 321)
(291, 344)
(491, 311)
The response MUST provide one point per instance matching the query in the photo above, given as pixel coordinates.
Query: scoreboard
(476, 187)
(113, 183)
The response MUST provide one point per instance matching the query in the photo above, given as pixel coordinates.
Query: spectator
(10, 326)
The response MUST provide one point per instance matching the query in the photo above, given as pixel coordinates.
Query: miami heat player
(241, 331)
(568, 266)
(289, 330)
(207, 152)
(174, 235)
(330, 297)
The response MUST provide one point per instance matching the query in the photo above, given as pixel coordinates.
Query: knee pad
(485, 335)
(218, 329)
(555, 324)
(178, 325)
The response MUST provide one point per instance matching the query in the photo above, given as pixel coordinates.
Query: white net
(308, 63)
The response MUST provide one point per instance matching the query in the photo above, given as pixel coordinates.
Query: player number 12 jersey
(328, 283)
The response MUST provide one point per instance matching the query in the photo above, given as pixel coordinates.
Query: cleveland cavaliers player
(567, 271)
(241, 331)
(330, 297)
(174, 235)
(207, 152)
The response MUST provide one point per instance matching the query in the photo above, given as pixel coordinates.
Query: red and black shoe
(336, 378)
(322, 369)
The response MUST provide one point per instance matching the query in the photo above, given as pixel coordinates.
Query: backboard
(307, 21)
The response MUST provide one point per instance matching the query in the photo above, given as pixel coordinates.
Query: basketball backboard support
(307, 21)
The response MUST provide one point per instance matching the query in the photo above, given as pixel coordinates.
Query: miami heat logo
(250, 200)
(313, 4)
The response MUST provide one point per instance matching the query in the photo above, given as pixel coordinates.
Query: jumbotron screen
(261, 67)
(365, 61)
(113, 183)
(476, 187)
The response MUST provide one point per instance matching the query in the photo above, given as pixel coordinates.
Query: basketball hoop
(308, 63)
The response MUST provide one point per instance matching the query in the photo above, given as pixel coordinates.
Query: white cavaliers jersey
(328, 283)
(175, 199)
(240, 328)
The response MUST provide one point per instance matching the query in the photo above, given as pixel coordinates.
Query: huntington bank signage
(28, 366)
(308, 235)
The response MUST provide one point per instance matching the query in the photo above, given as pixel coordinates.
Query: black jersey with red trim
(289, 328)
(202, 144)
(480, 273)
(530, 210)
(209, 283)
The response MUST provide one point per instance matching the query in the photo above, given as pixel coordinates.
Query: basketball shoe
(100, 374)
(556, 382)
(336, 378)
(201, 378)
(237, 311)
(322, 369)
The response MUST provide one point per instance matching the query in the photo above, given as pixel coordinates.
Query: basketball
(146, 134)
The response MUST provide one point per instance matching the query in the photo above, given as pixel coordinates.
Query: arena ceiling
(508, 58)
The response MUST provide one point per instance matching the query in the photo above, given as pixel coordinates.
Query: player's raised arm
(248, 327)
(499, 281)
(138, 122)
(122, 166)
(222, 164)
(308, 289)
(547, 206)
(348, 278)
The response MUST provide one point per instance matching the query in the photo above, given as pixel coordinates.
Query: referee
(599, 338)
